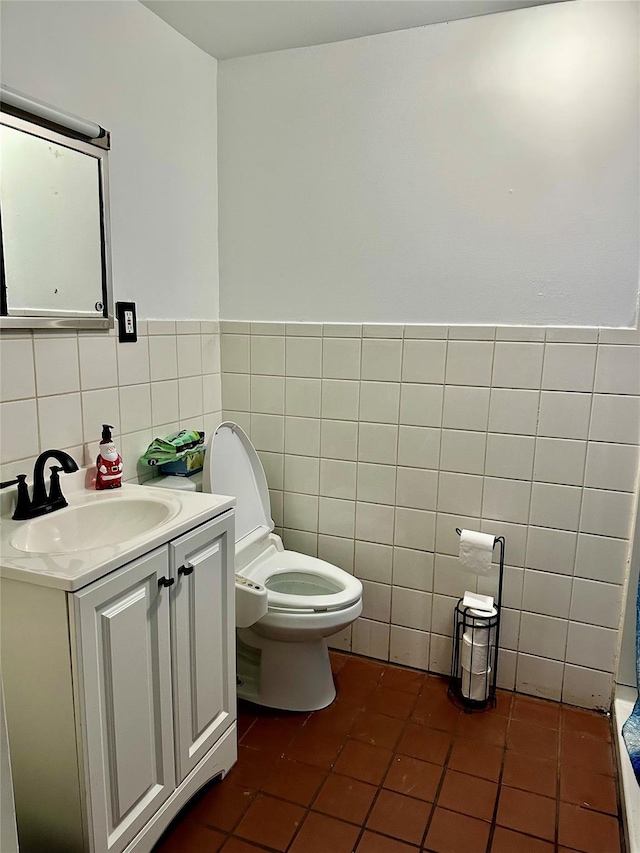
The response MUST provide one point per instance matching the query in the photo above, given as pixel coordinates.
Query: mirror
(54, 229)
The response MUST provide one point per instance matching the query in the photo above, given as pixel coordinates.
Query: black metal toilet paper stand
(476, 638)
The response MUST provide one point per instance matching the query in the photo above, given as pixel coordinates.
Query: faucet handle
(56, 498)
(20, 478)
(23, 505)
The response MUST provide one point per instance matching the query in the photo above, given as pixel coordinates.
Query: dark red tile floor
(393, 767)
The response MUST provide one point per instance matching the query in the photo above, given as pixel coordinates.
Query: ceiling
(230, 28)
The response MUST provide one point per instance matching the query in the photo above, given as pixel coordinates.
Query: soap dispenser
(108, 463)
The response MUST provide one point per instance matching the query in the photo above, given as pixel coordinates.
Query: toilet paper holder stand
(476, 637)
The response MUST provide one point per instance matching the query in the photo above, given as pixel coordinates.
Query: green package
(173, 447)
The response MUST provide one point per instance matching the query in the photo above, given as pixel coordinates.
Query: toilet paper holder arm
(499, 540)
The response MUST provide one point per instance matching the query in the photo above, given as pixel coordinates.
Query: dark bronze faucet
(41, 503)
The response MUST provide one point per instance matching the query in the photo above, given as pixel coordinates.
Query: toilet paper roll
(476, 686)
(474, 656)
(476, 551)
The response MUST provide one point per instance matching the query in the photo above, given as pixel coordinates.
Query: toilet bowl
(287, 603)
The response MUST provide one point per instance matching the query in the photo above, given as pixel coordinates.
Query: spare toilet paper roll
(476, 551)
(474, 657)
(476, 685)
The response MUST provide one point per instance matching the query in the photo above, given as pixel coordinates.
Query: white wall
(120, 65)
(482, 171)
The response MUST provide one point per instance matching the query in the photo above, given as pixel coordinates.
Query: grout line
(494, 817)
(486, 442)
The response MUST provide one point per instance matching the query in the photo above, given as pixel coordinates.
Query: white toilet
(287, 603)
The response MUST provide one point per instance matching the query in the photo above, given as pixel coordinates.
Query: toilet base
(291, 676)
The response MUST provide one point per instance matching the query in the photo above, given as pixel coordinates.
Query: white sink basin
(97, 523)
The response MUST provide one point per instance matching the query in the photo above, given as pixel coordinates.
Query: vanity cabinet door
(122, 628)
(204, 663)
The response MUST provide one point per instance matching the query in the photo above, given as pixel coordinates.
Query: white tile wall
(424, 361)
(374, 562)
(568, 367)
(58, 390)
(57, 364)
(404, 434)
(376, 483)
(517, 365)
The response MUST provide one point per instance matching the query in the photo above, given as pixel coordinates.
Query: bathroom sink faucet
(41, 503)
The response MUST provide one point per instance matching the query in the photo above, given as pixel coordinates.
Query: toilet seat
(283, 571)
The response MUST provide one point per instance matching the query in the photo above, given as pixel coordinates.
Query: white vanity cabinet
(128, 686)
(203, 614)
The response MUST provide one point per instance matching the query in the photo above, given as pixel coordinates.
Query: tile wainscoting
(58, 388)
(379, 440)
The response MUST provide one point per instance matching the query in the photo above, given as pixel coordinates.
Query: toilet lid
(234, 468)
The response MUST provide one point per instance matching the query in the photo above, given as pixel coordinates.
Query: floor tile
(322, 834)
(413, 777)
(352, 690)
(345, 798)
(363, 669)
(528, 813)
(222, 805)
(587, 752)
(320, 748)
(456, 833)
(531, 739)
(251, 769)
(400, 816)
(507, 841)
(376, 729)
(435, 684)
(590, 790)
(425, 743)
(530, 774)
(294, 781)
(363, 761)
(478, 759)
(338, 660)
(586, 722)
(273, 734)
(188, 836)
(393, 703)
(409, 680)
(587, 831)
(468, 794)
(504, 701)
(234, 845)
(436, 711)
(246, 718)
(270, 822)
(487, 728)
(338, 717)
(537, 711)
(371, 842)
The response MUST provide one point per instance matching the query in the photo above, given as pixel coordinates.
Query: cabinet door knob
(187, 569)
(166, 581)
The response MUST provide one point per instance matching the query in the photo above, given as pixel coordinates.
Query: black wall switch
(127, 323)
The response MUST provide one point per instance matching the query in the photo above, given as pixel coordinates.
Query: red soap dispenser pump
(108, 463)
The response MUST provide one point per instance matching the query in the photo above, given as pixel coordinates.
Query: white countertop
(74, 569)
